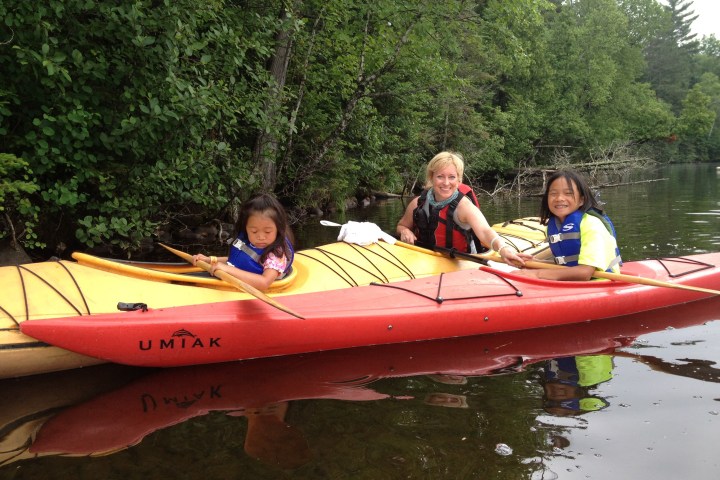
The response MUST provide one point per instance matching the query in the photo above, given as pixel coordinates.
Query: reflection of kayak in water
(455, 304)
(121, 418)
(27, 403)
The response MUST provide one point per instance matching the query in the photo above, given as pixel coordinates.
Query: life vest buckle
(555, 238)
(560, 260)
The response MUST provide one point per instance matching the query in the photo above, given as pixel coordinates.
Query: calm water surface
(633, 398)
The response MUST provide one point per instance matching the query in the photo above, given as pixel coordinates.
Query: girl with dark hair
(581, 236)
(262, 251)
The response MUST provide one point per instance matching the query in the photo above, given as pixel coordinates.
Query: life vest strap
(246, 249)
(616, 261)
(559, 237)
(573, 258)
(566, 259)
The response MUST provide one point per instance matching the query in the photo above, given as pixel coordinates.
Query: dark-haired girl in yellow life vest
(577, 231)
(568, 382)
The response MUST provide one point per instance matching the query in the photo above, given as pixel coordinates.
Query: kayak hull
(166, 397)
(93, 285)
(456, 304)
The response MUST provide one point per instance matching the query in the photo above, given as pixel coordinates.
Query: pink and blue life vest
(245, 256)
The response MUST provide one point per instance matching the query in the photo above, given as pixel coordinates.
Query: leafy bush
(19, 215)
(125, 112)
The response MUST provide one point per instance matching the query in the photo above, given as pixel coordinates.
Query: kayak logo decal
(182, 333)
(180, 340)
(182, 401)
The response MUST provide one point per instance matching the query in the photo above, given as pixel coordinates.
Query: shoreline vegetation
(201, 232)
(121, 121)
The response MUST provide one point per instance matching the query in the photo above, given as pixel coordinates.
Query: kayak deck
(350, 265)
(93, 285)
(460, 303)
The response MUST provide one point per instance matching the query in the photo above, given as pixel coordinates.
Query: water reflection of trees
(698, 369)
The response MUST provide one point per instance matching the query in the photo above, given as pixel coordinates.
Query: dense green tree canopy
(118, 117)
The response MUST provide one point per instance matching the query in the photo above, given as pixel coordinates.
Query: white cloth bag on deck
(363, 233)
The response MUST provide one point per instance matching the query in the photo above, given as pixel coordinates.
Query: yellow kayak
(93, 285)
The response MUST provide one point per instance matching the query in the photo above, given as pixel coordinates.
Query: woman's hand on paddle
(511, 257)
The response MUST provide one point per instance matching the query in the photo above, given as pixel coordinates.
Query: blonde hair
(442, 160)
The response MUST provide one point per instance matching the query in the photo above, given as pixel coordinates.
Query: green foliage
(669, 54)
(646, 20)
(118, 231)
(697, 117)
(433, 91)
(128, 114)
(697, 120)
(17, 213)
(708, 60)
(111, 99)
(682, 18)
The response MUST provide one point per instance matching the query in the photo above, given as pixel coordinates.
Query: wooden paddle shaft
(234, 281)
(629, 278)
(480, 258)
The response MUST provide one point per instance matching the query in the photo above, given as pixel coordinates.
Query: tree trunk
(266, 143)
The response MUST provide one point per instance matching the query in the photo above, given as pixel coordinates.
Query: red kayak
(456, 304)
(123, 417)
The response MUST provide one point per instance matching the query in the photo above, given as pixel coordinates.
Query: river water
(634, 397)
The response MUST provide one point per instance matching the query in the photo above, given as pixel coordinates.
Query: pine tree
(682, 18)
(669, 55)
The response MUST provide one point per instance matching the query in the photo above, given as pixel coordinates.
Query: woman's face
(563, 198)
(445, 181)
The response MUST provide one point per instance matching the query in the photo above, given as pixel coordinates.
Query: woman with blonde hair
(447, 214)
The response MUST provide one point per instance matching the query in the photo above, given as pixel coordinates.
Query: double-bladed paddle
(482, 258)
(234, 281)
